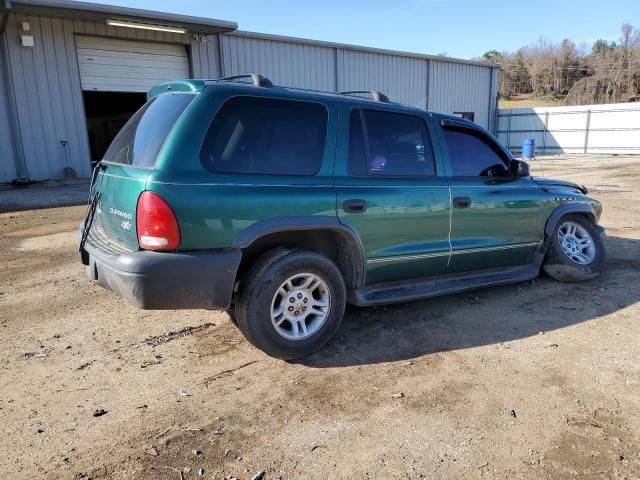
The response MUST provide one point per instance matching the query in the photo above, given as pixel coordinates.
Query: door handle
(354, 206)
(461, 202)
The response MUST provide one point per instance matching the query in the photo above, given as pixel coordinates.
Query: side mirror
(518, 168)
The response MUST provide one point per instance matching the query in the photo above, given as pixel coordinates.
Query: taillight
(156, 223)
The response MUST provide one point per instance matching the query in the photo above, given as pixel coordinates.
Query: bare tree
(605, 73)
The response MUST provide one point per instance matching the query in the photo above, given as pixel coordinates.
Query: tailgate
(122, 173)
(114, 225)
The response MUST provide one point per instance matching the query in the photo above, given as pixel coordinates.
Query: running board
(420, 288)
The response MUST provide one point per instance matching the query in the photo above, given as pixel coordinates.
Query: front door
(392, 192)
(497, 220)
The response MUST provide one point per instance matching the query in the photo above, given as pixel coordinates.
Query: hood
(554, 182)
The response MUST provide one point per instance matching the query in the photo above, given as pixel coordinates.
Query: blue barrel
(529, 148)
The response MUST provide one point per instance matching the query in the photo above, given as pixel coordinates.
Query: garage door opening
(115, 75)
(107, 112)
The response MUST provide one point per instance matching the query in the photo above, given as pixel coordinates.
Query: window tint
(142, 137)
(266, 136)
(396, 145)
(472, 156)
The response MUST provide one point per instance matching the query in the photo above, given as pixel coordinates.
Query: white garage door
(112, 65)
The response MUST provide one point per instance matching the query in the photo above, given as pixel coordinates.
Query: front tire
(290, 303)
(576, 252)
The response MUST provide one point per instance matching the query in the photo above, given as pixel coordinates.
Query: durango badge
(120, 213)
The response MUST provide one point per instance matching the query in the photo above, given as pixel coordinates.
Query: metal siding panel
(205, 58)
(196, 67)
(7, 160)
(456, 87)
(50, 85)
(213, 56)
(285, 63)
(28, 103)
(402, 79)
(70, 74)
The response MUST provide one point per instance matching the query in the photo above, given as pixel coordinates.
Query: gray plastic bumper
(166, 281)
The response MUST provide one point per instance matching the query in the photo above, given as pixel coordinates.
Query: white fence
(611, 128)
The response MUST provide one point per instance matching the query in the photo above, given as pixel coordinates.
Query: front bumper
(166, 281)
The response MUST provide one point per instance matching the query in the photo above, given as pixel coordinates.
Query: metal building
(71, 74)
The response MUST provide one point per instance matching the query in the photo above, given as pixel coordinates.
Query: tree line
(605, 72)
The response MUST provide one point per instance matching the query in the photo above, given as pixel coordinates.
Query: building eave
(102, 13)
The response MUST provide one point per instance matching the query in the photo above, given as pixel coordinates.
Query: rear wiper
(88, 220)
(91, 210)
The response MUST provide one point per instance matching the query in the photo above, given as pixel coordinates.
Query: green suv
(281, 205)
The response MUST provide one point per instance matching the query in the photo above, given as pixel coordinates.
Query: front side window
(266, 136)
(473, 155)
(389, 144)
(140, 140)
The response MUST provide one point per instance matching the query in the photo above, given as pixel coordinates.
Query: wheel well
(332, 244)
(547, 234)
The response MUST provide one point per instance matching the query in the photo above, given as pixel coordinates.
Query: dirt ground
(535, 380)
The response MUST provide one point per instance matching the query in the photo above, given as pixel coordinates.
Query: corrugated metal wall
(457, 87)
(205, 57)
(48, 93)
(49, 96)
(402, 79)
(285, 63)
(7, 161)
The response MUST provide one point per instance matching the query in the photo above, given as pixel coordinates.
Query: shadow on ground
(483, 317)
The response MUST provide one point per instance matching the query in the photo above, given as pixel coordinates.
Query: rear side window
(142, 137)
(472, 154)
(389, 144)
(266, 136)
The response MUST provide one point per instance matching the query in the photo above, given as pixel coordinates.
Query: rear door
(389, 190)
(122, 173)
(497, 220)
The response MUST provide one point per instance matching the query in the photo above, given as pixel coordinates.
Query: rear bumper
(166, 281)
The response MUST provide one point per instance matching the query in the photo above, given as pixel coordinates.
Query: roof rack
(375, 95)
(256, 79)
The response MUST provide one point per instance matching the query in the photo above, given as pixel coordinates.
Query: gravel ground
(43, 195)
(535, 380)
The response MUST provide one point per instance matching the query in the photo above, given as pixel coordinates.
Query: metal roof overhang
(102, 13)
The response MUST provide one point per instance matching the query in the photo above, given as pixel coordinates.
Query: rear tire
(576, 252)
(290, 303)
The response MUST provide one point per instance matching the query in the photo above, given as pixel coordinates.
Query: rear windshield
(142, 137)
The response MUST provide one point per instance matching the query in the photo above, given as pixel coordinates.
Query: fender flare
(269, 226)
(566, 209)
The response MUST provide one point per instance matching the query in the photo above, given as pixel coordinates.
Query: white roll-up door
(113, 65)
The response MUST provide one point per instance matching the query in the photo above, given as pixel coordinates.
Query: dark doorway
(107, 112)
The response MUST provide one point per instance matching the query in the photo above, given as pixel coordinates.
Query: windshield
(142, 137)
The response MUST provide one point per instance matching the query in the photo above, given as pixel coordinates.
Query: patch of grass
(528, 100)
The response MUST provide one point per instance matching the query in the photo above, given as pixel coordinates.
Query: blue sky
(461, 28)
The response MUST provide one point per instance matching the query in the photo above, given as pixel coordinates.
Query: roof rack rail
(256, 79)
(375, 95)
